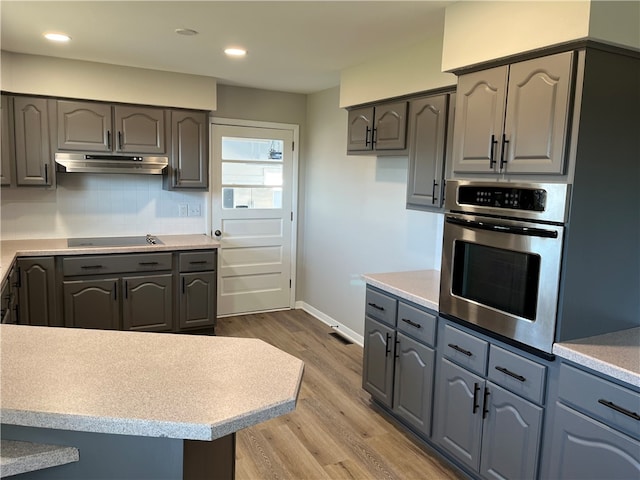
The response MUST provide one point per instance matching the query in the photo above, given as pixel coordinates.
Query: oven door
(503, 276)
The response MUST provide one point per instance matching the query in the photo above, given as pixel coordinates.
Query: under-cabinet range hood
(96, 163)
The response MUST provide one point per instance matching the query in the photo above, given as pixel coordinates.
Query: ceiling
(293, 46)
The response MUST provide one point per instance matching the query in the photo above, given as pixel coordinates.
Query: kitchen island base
(126, 456)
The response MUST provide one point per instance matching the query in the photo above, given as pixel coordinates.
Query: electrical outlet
(194, 210)
(183, 210)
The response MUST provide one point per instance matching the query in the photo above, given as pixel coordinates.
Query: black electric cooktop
(113, 241)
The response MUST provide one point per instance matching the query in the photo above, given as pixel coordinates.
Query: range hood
(96, 163)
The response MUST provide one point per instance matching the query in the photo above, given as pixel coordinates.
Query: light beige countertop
(419, 286)
(10, 249)
(22, 457)
(143, 384)
(615, 354)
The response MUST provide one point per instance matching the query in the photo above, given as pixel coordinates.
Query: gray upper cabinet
(514, 119)
(427, 142)
(32, 148)
(6, 169)
(378, 128)
(100, 127)
(189, 160)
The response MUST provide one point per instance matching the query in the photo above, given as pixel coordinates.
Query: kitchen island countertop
(10, 249)
(144, 384)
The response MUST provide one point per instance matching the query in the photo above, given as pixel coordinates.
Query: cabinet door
(37, 291)
(32, 152)
(480, 106)
(390, 126)
(537, 115)
(189, 161)
(377, 371)
(458, 413)
(584, 448)
(147, 303)
(413, 386)
(139, 130)
(7, 160)
(510, 435)
(427, 124)
(84, 126)
(197, 299)
(92, 304)
(360, 129)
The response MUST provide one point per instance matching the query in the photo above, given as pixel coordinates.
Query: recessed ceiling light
(186, 31)
(235, 52)
(57, 37)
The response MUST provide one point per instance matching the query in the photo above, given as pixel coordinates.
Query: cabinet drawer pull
(108, 139)
(476, 405)
(46, 174)
(505, 142)
(366, 137)
(119, 140)
(387, 348)
(511, 374)
(198, 262)
(147, 264)
(619, 409)
(433, 193)
(413, 324)
(460, 349)
(492, 148)
(377, 307)
(91, 267)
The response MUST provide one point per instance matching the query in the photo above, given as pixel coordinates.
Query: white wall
(354, 219)
(89, 205)
(58, 77)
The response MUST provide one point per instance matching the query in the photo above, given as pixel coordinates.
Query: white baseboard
(339, 328)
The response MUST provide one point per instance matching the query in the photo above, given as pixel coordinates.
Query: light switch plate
(183, 210)
(194, 210)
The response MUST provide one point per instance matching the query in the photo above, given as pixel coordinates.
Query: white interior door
(253, 216)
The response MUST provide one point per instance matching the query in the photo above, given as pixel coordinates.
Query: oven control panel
(529, 199)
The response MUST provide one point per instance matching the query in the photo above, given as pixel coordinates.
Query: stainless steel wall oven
(501, 258)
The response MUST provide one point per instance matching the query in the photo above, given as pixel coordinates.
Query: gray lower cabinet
(197, 296)
(596, 428)
(37, 291)
(484, 414)
(147, 303)
(92, 303)
(9, 299)
(398, 365)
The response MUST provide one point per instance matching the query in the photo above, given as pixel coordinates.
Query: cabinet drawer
(466, 350)
(197, 261)
(108, 264)
(518, 374)
(417, 323)
(381, 307)
(601, 399)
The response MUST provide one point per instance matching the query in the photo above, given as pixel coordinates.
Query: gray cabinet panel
(413, 385)
(197, 299)
(189, 162)
(197, 261)
(582, 448)
(517, 374)
(381, 307)
(427, 139)
(147, 303)
(8, 159)
(377, 374)
(479, 120)
(92, 304)
(417, 323)
(390, 126)
(537, 114)
(84, 126)
(467, 350)
(109, 264)
(510, 435)
(37, 291)
(360, 129)
(458, 415)
(139, 129)
(32, 148)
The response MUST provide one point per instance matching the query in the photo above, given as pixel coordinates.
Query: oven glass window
(498, 278)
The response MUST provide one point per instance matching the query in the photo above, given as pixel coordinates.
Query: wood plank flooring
(334, 433)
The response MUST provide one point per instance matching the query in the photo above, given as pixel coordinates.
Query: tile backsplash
(86, 205)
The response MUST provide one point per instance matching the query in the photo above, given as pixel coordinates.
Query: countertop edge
(18, 457)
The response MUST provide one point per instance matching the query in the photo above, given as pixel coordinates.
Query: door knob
(217, 233)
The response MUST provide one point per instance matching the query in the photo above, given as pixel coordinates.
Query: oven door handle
(502, 228)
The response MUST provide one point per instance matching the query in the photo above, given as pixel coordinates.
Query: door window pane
(248, 197)
(252, 149)
(265, 174)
